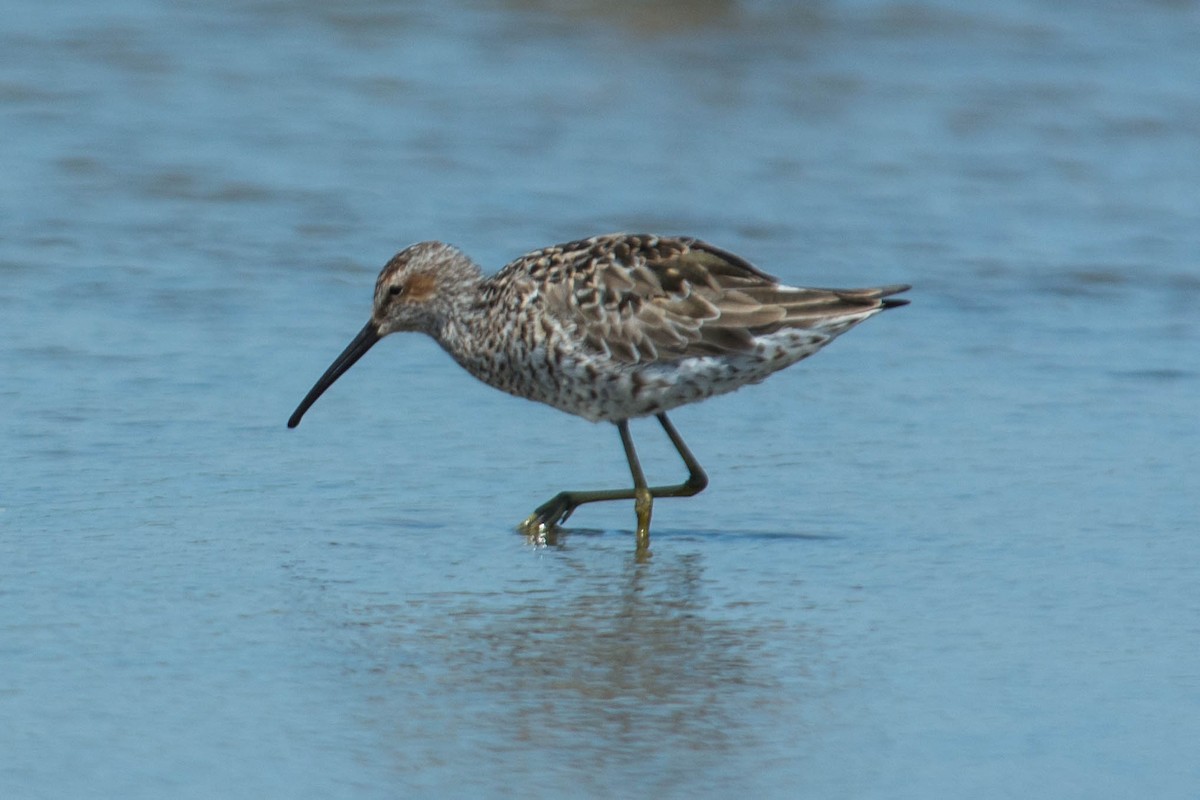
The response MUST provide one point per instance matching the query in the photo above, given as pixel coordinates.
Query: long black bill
(367, 337)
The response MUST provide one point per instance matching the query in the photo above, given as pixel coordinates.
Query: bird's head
(417, 290)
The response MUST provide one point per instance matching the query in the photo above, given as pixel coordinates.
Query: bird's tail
(884, 295)
(833, 311)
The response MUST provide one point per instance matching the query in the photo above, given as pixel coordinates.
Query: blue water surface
(954, 555)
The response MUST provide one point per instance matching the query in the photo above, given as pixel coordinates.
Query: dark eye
(394, 291)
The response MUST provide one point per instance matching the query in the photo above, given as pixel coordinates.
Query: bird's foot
(548, 516)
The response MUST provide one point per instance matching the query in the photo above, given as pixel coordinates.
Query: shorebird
(608, 328)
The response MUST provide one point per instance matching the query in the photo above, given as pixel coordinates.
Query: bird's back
(628, 324)
(639, 298)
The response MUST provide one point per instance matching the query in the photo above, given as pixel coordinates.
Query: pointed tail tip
(887, 301)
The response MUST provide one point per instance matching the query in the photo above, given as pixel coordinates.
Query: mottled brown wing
(640, 298)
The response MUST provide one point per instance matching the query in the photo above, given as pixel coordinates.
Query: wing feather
(640, 298)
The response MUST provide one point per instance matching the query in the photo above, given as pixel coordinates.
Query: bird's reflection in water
(624, 663)
(605, 665)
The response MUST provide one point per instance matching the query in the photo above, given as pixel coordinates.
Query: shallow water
(953, 555)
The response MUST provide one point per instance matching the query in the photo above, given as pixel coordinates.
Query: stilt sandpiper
(608, 328)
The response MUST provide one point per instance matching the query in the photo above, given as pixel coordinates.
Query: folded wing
(641, 298)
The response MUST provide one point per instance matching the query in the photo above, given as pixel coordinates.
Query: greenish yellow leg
(643, 500)
(696, 481)
(562, 505)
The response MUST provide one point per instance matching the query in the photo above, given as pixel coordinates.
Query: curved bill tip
(361, 343)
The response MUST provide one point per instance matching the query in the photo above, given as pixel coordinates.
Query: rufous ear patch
(420, 286)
